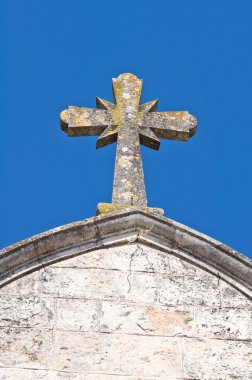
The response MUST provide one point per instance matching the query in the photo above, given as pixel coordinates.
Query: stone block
(99, 284)
(189, 290)
(230, 297)
(182, 267)
(224, 323)
(118, 354)
(213, 359)
(26, 311)
(86, 283)
(78, 314)
(24, 286)
(26, 374)
(113, 258)
(30, 374)
(145, 320)
(141, 288)
(136, 257)
(25, 348)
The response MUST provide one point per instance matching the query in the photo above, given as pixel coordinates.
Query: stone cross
(130, 124)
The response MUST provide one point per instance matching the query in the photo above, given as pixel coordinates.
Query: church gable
(128, 294)
(129, 310)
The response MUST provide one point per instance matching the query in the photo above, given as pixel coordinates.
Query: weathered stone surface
(29, 374)
(78, 314)
(87, 283)
(130, 124)
(30, 285)
(178, 126)
(217, 359)
(141, 288)
(25, 348)
(134, 257)
(231, 298)
(223, 323)
(82, 121)
(204, 290)
(26, 311)
(146, 320)
(176, 321)
(117, 354)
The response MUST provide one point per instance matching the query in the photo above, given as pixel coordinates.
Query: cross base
(106, 208)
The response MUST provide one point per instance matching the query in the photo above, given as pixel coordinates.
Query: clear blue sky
(193, 55)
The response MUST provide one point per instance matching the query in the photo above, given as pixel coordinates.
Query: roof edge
(122, 227)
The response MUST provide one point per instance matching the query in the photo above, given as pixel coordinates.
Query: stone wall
(128, 312)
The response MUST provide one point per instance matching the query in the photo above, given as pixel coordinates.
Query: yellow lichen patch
(100, 118)
(175, 114)
(125, 162)
(118, 116)
(120, 136)
(85, 112)
(64, 115)
(135, 118)
(111, 132)
(127, 185)
(105, 208)
(127, 89)
(80, 121)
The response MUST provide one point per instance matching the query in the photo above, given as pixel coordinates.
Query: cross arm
(171, 125)
(80, 121)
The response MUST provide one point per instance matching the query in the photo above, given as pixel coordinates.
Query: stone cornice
(122, 228)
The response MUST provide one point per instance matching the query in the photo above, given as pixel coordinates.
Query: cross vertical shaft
(129, 187)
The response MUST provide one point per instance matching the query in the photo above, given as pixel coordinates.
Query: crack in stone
(133, 240)
(130, 264)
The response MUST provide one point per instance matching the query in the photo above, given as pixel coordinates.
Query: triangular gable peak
(123, 228)
(124, 295)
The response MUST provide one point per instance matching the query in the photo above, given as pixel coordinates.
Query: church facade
(127, 295)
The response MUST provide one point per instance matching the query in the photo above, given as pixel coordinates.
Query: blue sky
(193, 55)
